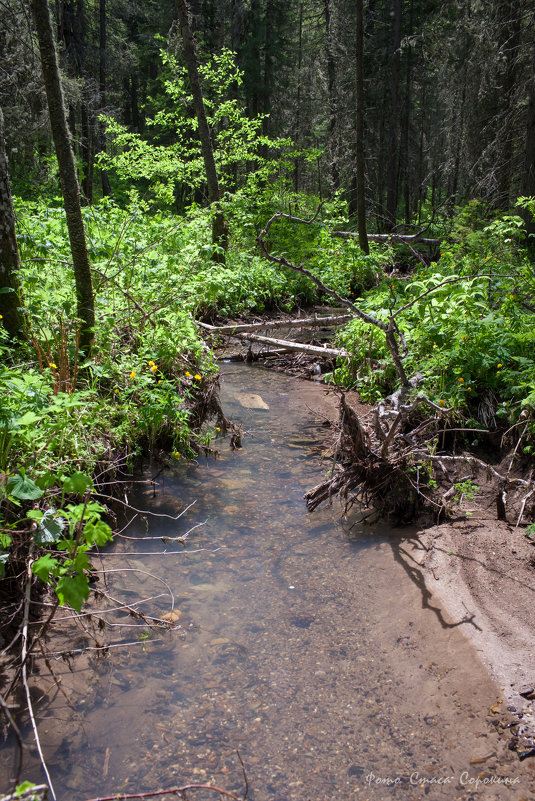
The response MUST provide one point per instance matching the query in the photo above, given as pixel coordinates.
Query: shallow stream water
(309, 646)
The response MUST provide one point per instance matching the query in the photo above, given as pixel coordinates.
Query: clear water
(299, 642)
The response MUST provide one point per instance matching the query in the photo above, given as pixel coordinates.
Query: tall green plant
(172, 156)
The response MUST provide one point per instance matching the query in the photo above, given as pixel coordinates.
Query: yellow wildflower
(435, 346)
(133, 374)
(218, 429)
(197, 377)
(52, 365)
(1, 316)
(469, 389)
(441, 402)
(461, 380)
(499, 365)
(154, 368)
(176, 455)
(150, 363)
(187, 374)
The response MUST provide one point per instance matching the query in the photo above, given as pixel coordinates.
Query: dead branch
(156, 553)
(245, 781)
(403, 239)
(143, 511)
(101, 648)
(25, 676)
(146, 315)
(118, 608)
(18, 737)
(180, 791)
(523, 506)
(304, 322)
(298, 347)
(283, 262)
(143, 572)
(475, 462)
(390, 329)
(162, 538)
(37, 791)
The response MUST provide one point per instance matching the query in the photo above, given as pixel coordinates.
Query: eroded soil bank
(311, 646)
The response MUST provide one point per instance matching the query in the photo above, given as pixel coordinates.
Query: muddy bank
(483, 571)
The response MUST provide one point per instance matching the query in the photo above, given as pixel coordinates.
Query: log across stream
(310, 647)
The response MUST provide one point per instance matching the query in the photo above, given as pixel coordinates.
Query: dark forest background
(449, 91)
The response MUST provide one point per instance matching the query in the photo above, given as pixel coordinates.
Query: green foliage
(74, 529)
(465, 489)
(170, 157)
(470, 333)
(23, 790)
(67, 531)
(368, 369)
(467, 319)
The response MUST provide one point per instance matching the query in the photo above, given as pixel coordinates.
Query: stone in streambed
(250, 401)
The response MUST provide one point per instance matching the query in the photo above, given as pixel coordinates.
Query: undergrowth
(468, 324)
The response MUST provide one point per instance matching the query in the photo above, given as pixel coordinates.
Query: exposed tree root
(392, 467)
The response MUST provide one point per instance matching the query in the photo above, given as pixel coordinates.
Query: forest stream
(305, 643)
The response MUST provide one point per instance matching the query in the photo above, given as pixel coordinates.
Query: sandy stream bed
(477, 574)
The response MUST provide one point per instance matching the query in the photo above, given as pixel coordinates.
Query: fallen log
(299, 347)
(305, 322)
(413, 239)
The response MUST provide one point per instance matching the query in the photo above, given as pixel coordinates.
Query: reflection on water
(299, 646)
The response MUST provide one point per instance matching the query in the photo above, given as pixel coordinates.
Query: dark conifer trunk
(509, 16)
(86, 153)
(219, 229)
(297, 122)
(360, 173)
(331, 91)
(105, 181)
(10, 289)
(67, 171)
(528, 183)
(392, 180)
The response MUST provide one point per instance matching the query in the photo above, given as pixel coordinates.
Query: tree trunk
(67, 171)
(219, 228)
(86, 153)
(406, 125)
(458, 136)
(359, 133)
(393, 156)
(10, 289)
(509, 34)
(528, 183)
(297, 119)
(331, 92)
(105, 181)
